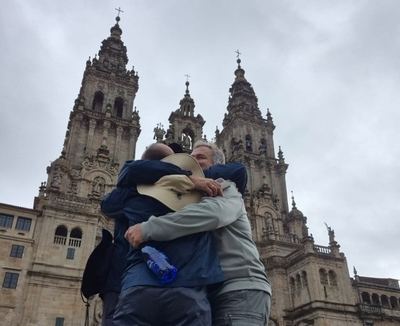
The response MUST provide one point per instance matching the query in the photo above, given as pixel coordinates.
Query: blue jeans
(240, 308)
(156, 306)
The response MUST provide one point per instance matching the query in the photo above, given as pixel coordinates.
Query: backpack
(97, 266)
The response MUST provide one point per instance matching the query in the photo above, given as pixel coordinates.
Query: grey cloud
(327, 70)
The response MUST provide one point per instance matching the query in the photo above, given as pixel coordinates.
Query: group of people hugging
(190, 209)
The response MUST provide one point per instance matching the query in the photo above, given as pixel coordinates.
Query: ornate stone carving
(247, 200)
(57, 179)
(73, 186)
(265, 197)
(100, 161)
(98, 187)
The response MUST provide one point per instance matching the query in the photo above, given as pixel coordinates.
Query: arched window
(60, 235)
(263, 146)
(304, 278)
(385, 301)
(76, 233)
(61, 231)
(186, 110)
(249, 144)
(75, 237)
(393, 302)
(323, 276)
(292, 285)
(332, 278)
(365, 298)
(298, 282)
(118, 107)
(375, 300)
(98, 101)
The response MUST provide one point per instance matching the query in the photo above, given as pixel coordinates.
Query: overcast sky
(327, 70)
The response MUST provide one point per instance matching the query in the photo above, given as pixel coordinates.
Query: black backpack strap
(87, 304)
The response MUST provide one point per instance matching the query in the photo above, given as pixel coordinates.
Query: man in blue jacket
(147, 171)
(194, 256)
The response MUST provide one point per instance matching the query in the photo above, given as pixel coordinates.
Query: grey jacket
(226, 215)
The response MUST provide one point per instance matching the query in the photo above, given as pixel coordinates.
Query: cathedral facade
(43, 250)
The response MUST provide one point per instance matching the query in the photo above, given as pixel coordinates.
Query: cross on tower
(119, 11)
(237, 54)
(187, 77)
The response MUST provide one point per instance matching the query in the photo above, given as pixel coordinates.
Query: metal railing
(60, 240)
(322, 250)
(74, 242)
(370, 309)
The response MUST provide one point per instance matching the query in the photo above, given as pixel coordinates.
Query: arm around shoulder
(210, 214)
(146, 172)
(235, 172)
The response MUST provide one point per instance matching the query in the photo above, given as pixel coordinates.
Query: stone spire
(247, 137)
(296, 222)
(113, 54)
(186, 104)
(295, 213)
(270, 123)
(185, 128)
(243, 100)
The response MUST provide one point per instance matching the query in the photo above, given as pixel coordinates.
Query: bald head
(157, 151)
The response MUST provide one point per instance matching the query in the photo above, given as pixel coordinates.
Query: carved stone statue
(331, 234)
(248, 143)
(186, 141)
(98, 186)
(159, 133)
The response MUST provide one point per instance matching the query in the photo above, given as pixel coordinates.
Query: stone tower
(184, 127)
(287, 250)
(247, 137)
(102, 132)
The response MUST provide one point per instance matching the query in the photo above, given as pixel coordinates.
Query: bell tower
(184, 127)
(247, 137)
(290, 255)
(102, 132)
(103, 127)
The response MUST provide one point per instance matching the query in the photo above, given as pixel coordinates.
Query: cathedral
(43, 250)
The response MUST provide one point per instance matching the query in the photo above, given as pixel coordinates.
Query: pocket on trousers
(240, 319)
(233, 298)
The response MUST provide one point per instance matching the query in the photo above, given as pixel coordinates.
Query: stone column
(106, 126)
(132, 143)
(76, 121)
(92, 127)
(117, 142)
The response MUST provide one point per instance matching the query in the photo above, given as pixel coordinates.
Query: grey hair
(218, 154)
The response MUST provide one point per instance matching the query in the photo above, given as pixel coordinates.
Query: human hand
(211, 187)
(134, 235)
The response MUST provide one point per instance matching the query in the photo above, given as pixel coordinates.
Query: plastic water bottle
(158, 263)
